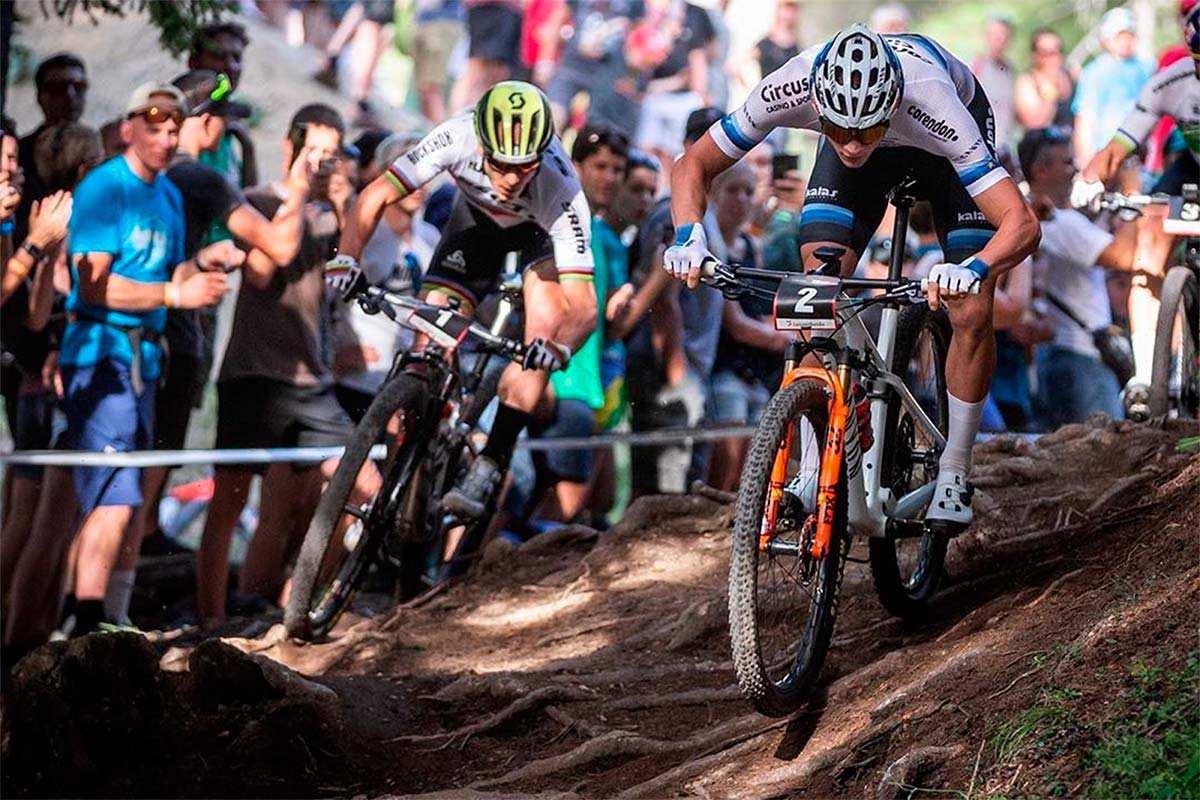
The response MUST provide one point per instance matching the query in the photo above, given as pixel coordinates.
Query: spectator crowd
(120, 241)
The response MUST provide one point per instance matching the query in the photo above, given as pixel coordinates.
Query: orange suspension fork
(831, 459)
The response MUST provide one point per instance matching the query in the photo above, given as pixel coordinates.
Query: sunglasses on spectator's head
(157, 115)
(867, 136)
(515, 169)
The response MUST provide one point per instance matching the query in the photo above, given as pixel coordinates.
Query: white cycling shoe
(949, 511)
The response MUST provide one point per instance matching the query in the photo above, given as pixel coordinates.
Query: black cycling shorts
(1183, 169)
(471, 253)
(264, 413)
(845, 206)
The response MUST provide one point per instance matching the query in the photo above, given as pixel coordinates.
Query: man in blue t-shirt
(127, 266)
(1109, 85)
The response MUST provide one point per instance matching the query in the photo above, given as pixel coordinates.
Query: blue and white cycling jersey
(933, 114)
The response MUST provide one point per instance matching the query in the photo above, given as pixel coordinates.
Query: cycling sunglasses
(867, 136)
(157, 116)
(515, 169)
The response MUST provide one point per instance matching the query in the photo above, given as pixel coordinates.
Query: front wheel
(345, 533)
(907, 570)
(782, 600)
(1175, 381)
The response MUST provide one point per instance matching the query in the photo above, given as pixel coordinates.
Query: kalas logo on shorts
(774, 92)
(937, 127)
(576, 228)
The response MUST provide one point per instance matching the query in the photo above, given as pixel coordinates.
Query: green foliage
(176, 20)
(1154, 750)
(1149, 749)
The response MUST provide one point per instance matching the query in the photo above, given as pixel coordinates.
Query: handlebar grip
(976, 287)
(708, 267)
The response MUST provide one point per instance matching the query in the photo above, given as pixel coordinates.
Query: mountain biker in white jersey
(889, 107)
(517, 191)
(1173, 91)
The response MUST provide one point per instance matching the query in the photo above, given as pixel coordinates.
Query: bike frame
(871, 505)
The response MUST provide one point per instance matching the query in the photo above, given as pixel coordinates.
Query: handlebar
(729, 280)
(1127, 206)
(374, 300)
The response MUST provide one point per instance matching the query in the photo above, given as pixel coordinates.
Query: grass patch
(1148, 746)
(1153, 750)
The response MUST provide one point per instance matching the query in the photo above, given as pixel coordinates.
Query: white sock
(118, 595)
(964, 424)
(1143, 356)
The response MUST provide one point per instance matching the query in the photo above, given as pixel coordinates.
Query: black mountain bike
(423, 419)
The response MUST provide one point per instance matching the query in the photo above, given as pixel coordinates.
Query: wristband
(15, 265)
(35, 252)
(171, 295)
(976, 265)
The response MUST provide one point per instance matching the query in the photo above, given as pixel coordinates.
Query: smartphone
(298, 136)
(782, 164)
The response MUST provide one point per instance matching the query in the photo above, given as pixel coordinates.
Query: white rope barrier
(286, 455)
(303, 455)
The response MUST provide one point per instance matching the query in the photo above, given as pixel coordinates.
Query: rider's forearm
(364, 216)
(1017, 236)
(689, 190)
(582, 311)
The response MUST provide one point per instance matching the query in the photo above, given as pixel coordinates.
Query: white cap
(1117, 20)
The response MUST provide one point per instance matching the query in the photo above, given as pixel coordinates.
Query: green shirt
(225, 162)
(581, 379)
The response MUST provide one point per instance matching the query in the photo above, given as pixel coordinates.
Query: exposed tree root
(661, 785)
(536, 698)
(591, 730)
(1053, 586)
(619, 677)
(1121, 487)
(631, 745)
(905, 773)
(716, 495)
(693, 697)
(499, 685)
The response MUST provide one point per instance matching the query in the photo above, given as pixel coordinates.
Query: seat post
(902, 198)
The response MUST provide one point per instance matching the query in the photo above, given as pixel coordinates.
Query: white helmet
(856, 80)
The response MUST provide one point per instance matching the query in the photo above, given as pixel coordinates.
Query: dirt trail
(586, 667)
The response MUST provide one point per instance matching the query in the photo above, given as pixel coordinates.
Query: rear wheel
(1175, 382)
(907, 569)
(782, 600)
(344, 536)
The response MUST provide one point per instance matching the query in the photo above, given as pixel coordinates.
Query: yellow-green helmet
(514, 123)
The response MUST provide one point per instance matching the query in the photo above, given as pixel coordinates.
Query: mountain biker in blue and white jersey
(889, 107)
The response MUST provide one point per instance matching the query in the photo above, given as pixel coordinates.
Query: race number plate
(807, 301)
(1183, 218)
(443, 326)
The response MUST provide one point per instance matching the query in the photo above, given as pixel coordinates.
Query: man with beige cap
(127, 262)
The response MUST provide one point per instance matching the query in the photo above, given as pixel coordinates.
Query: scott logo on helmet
(517, 100)
(937, 127)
